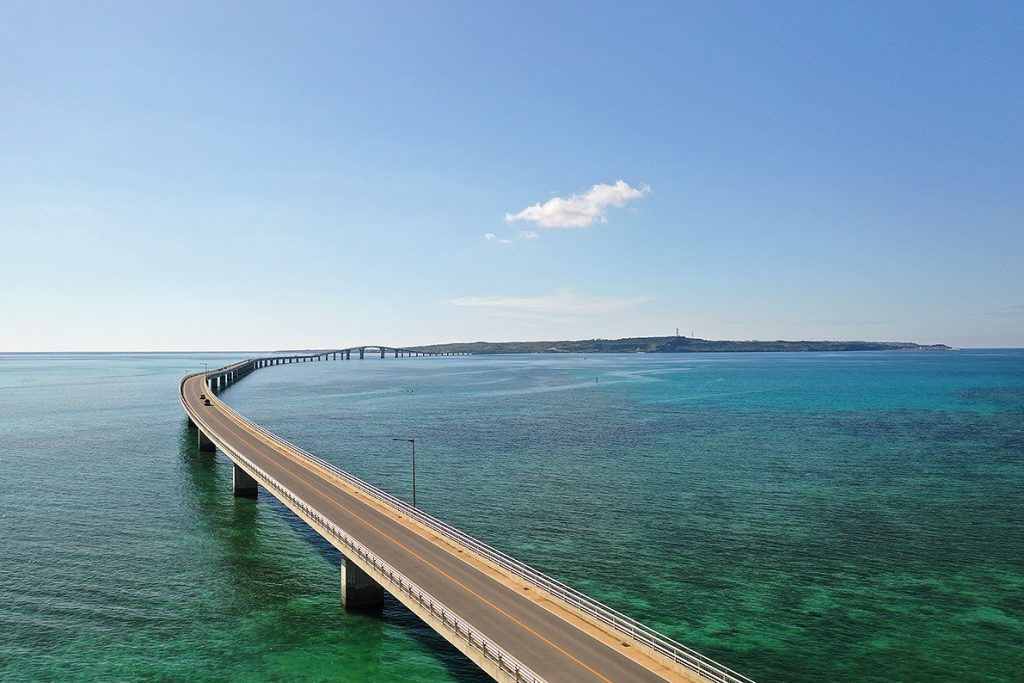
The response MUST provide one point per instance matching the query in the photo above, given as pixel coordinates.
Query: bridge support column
(205, 445)
(242, 485)
(361, 352)
(359, 592)
(382, 353)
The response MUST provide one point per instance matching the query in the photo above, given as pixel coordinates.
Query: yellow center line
(425, 561)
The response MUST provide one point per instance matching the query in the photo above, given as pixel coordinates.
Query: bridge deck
(543, 634)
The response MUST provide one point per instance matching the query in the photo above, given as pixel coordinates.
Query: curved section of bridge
(516, 623)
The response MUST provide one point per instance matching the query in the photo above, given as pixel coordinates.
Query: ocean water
(799, 517)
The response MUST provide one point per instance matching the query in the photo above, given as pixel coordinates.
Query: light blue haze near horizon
(269, 175)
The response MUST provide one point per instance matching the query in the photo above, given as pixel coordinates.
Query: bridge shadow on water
(234, 524)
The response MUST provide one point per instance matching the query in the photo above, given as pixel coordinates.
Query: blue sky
(261, 176)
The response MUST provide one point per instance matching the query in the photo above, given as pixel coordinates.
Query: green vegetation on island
(671, 345)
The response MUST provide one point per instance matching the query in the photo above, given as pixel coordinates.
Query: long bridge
(514, 622)
(222, 377)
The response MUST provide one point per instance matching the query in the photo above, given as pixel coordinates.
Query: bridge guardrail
(660, 643)
(396, 580)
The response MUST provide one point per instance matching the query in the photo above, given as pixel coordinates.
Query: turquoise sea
(799, 517)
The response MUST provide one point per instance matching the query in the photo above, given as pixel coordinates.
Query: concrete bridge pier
(382, 353)
(348, 355)
(359, 592)
(362, 352)
(242, 484)
(205, 445)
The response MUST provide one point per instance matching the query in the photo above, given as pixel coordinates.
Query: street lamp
(206, 368)
(413, 442)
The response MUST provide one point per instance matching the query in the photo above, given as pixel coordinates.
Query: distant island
(671, 345)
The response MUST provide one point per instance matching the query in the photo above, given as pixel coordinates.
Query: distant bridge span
(516, 623)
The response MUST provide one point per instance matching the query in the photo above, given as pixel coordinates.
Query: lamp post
(413, 442)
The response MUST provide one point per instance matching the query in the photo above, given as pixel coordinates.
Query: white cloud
(491, 237)
(564, 301)
(579, 210)
(528, 234)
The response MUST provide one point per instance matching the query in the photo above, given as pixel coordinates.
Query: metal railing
(622, 624)
(395, 580)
